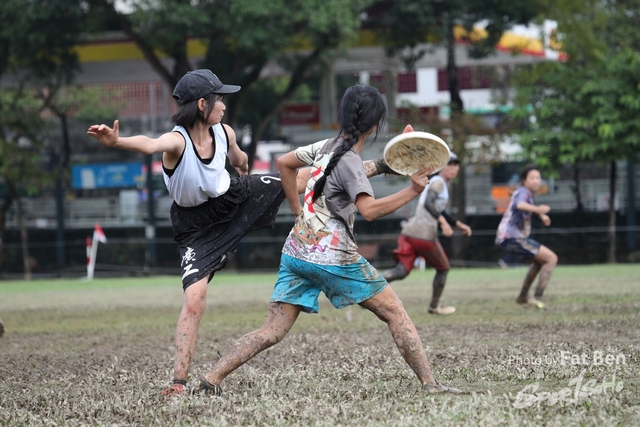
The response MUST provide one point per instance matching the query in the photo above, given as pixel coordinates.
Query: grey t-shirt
(323, 233)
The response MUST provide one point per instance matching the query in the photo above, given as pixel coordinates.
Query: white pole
(92, 259)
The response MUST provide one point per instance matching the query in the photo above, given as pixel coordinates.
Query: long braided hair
(361, 109)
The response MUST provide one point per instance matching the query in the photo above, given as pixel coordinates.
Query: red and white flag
(98, 234)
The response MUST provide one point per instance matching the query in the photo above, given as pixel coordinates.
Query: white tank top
(194, 181)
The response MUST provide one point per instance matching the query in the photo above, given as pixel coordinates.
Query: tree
(241, 38)
(36, 51)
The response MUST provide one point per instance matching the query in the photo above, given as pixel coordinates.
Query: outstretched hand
(420, 179)
(105, 134)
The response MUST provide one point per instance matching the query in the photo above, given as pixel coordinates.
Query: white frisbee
(410, 152)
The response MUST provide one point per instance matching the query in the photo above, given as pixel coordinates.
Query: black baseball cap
(453, 158)
(198, 84)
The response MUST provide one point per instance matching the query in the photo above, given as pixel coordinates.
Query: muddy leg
(439, 281)
(279, 320)
(528, 280)
(549, 260)
(388, 307)
(398, 272)
(193, 304)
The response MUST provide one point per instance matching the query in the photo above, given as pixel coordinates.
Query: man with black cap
(212, 210)
(419, 237)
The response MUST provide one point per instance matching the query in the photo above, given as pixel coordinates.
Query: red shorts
(410, 248)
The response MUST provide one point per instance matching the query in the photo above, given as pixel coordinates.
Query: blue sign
(107, 175)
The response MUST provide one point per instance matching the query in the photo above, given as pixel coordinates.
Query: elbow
(368, 216)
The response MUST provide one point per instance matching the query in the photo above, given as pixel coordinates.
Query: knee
(194, 306)
(553, 259)
(399, 272)
(391, 312)
(270, 337)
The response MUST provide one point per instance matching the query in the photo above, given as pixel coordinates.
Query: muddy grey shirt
(323, 233)
(423, 225)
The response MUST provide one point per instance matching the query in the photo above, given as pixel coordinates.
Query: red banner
(300, 114)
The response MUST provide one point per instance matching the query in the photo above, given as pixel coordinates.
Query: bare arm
(447, 231)
(528, 207)
(237, 158)
(171, 142)
(372, 208)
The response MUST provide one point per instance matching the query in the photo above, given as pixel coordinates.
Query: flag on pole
(98, 234)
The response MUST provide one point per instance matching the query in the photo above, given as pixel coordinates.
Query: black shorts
(208, 233)
(522, 249)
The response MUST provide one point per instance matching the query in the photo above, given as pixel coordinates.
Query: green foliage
(583, 113)
(19, 141)
(38, 36)
(587, 108)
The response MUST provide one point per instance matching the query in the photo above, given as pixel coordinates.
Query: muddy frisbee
(410, 152)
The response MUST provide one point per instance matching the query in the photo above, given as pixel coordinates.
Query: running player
(513, 236)
(419, 237)
(321, 255)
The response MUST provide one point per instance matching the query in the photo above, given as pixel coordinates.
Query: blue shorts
(522, 248)
(300, 282)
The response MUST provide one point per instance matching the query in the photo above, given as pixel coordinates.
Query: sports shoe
(443, 311)
(207, 389)
(176, 389)
(530, 301)
(440, 388)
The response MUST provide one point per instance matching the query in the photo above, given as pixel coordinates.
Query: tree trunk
(576, 188)
(458, 190)
(611, 253)
(391, 90)
(24, 240)
(4, 208)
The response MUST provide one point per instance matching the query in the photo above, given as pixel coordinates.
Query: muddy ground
(86, 364)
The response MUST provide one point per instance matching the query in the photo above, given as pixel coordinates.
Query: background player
(513, 236)
(419, 237)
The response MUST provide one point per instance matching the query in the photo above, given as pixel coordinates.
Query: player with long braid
(321, 254)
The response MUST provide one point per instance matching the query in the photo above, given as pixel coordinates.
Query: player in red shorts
(419, 237)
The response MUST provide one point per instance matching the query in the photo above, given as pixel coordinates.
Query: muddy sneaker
(440, 388)
(176, 389)
(530, 301)
(443, 311)
(207, 389)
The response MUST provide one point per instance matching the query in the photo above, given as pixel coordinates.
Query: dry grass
(77, 353)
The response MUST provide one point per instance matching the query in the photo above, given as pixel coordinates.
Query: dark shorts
(410, 248)
(523, 249)
(209, 233)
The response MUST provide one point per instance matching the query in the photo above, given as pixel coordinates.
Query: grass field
(97, 353)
